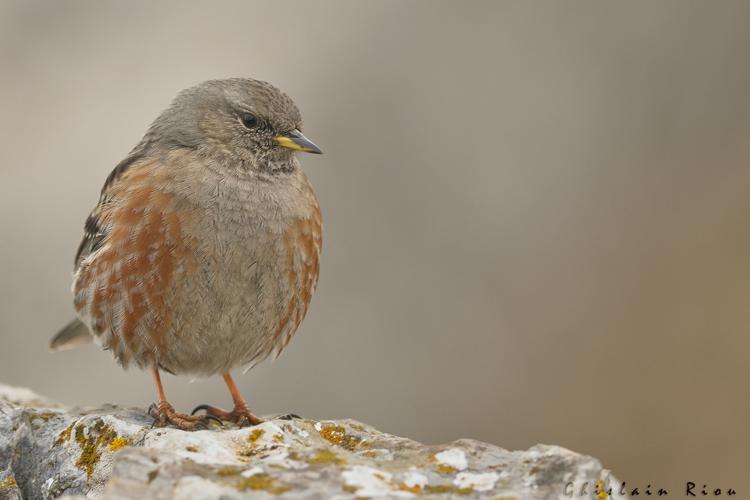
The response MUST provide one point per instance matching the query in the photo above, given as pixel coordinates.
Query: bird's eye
(249, 120)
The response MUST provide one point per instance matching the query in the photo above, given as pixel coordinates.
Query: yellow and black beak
(298, 142)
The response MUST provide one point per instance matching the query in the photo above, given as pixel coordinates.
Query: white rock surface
(48, 451)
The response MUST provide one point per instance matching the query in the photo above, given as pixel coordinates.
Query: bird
(203, 251)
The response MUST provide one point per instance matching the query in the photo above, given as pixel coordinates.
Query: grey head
(247, 124)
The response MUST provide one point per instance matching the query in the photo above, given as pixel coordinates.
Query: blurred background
(537, 221)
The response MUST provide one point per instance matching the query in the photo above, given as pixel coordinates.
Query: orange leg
(240, 415)
(165, 414)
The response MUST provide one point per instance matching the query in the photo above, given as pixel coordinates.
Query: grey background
(536, 215)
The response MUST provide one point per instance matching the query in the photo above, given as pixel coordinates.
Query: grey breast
(231, 307)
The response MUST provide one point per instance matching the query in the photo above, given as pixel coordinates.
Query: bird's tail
(74, 334)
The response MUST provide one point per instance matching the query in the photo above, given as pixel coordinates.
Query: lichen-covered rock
(47, 451)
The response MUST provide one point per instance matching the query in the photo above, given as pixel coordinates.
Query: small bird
(203, 252)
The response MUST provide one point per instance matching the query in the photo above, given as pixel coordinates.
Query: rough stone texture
(47, 450)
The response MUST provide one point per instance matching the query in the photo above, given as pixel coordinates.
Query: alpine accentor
(202, 253)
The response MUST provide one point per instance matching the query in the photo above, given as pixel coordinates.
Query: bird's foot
(164, 414)
(240, 415)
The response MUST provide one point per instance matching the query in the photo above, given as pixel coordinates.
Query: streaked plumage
(203, 252)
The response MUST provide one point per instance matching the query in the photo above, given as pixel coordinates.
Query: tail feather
(74, 334)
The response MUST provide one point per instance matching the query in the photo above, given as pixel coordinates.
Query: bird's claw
(240, 416)
(289, 416)
(164, 414)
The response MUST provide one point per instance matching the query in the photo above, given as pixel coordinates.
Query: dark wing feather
(93, 237)
(74, 334)
(94, 231)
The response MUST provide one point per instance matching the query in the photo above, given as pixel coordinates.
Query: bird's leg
(241, 411)
(240, 415)
(165, 414)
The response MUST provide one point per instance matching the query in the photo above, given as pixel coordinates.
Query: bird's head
(250, 123)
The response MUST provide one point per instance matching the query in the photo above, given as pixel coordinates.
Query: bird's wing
(131, 257)
(76, 332)
(94, 230)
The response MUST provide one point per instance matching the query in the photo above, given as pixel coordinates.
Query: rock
(48, 450)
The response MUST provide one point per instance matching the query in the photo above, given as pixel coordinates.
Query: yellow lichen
(416, 489)
(8, 482)
(278, 438)
(336, 434)
(194, 449)
(325, 457)
(64, 436)
(445, 469)
(248, 452)
(89, 456)
(601, 490)
(369, 454)
(333, 433)
(227, 471)
(43, 416)
(118, 443)
(447, 488)
(91, 440)
(262, 482)
(255, 435)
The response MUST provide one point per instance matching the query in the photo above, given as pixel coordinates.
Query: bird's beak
(298, 142)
